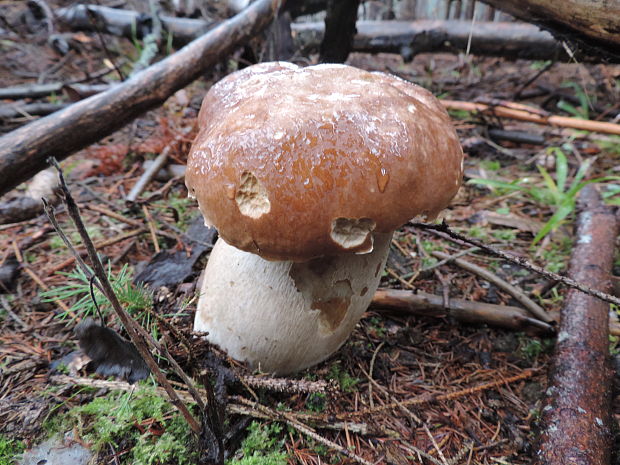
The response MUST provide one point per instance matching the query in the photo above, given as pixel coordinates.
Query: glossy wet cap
(293, 163)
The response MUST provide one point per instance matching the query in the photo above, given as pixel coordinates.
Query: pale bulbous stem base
(282, 317)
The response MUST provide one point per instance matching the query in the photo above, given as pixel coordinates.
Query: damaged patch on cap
(251, 197)
(350, 233)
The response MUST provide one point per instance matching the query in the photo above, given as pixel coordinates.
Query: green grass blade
(561, 168)
(555, 220)
(551, 186)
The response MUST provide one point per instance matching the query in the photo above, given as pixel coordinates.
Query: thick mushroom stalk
(285, 316)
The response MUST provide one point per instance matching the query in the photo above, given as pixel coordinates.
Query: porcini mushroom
(306, 173)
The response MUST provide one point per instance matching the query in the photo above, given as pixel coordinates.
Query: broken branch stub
(23, 152)
(576, 418)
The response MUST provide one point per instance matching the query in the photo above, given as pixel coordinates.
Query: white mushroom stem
(283, 316)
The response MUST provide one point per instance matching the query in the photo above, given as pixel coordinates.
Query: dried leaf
(111, 355)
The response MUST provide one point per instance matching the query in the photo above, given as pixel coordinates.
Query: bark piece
(576, 418)
(23, 152)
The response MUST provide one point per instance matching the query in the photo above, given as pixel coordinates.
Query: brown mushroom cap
(293, 163)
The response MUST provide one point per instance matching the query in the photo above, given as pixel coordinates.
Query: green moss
(264, 445)
(10, 449)
(316, 402)
(531, 348)
(344, 379)
(142, 422)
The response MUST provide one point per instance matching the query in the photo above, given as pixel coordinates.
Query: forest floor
(388, 399)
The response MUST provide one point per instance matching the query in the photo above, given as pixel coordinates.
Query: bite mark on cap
(350, 233)
(251, 197)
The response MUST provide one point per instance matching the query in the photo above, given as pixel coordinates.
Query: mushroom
(306, 173)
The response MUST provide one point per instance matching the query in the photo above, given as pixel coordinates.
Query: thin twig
(49, 211)
(524, 300)
(152, 229)
(525, 113)
(132, 328)
(370, 370)
(444, 228)
(437, 448)
(152, 170)
(95, 20)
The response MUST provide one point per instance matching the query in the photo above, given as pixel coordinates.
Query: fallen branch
(409, 38)
(593, 25)
(23, 152)
(577, 416)
(533, 115)
(20, 209)
(464, 311)
(43, 90)
(26, 110)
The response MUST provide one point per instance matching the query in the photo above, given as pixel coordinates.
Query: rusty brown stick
(576, 418)
(527, 114)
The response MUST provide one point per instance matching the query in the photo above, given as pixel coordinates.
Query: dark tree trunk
(339, 30)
